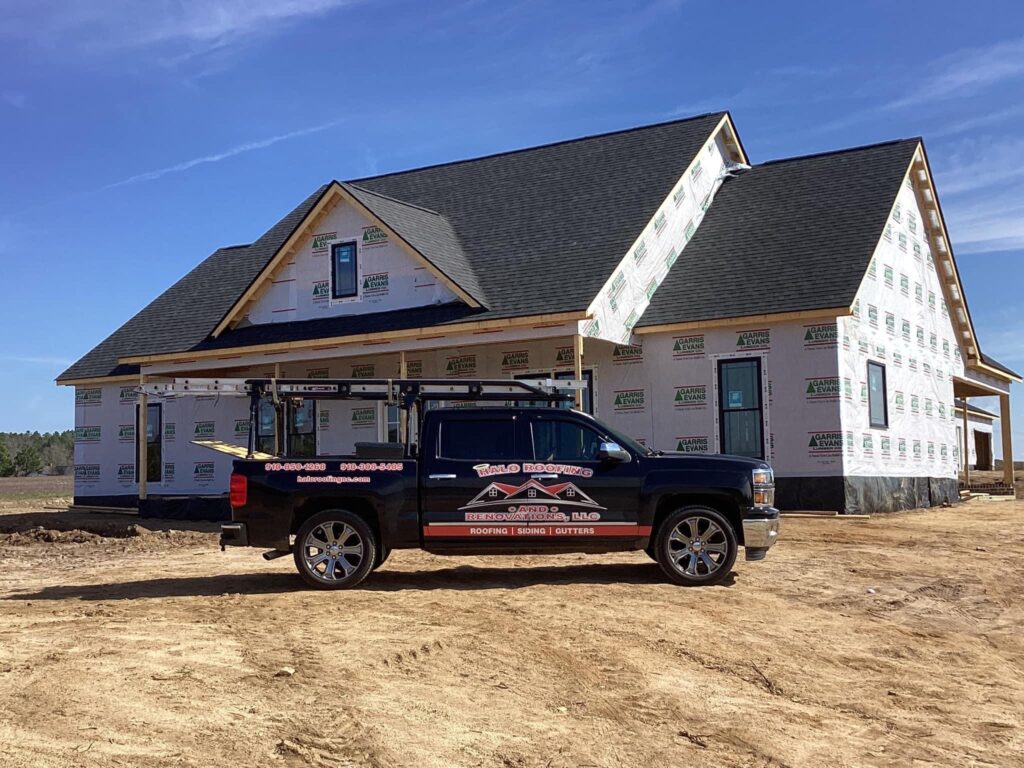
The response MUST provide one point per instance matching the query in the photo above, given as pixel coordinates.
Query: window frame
(884, 424)
(153, 447)
(335, 296)
(720, 365)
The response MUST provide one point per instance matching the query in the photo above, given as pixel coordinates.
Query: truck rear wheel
(335, 549)
(696, 546)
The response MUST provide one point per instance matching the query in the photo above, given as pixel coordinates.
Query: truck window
(478, 439)
(555, 440)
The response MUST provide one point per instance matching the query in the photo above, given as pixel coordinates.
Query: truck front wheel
(696, 546)
(335, 549)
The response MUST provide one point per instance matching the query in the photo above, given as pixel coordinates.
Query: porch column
(578, 373)
(1004, 421)
(965, 450)
(142, 439)
(403, 371)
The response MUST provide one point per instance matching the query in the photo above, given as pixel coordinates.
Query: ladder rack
(409, 394)
(403, 391)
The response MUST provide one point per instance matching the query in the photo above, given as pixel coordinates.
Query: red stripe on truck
(531, 531)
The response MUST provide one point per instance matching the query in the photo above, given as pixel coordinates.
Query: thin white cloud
(966, 72)
(248, 146)
(985, 120)
(100, 25)
(31, 360)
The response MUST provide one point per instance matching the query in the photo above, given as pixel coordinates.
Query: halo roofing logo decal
(537, 497)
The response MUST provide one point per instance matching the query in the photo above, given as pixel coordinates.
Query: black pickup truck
(504, 480)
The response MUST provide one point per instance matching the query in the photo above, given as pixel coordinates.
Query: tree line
(27, 453)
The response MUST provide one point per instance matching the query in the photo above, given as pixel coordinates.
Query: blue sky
(135, 138)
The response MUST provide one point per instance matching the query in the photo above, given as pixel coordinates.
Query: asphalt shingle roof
(785, 236)
(430, 233)
(533, 231)
(991, 361)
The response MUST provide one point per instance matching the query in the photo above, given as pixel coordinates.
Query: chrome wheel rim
(332, 551)
(697, 546)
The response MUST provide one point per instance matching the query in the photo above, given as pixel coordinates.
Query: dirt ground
(894, 641)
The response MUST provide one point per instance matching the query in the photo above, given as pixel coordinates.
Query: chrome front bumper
(759, 534)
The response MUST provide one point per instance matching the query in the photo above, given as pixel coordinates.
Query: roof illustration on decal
(500, 494)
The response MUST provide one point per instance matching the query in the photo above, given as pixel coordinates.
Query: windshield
(624, 440)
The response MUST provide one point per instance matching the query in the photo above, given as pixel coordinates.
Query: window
(741, 418)
(393, 421)
(266, 428)
(344, 270)
(556, 440)
(154, 445)
(878, 408)
(301, 417)
(588, 393)
(478, 440)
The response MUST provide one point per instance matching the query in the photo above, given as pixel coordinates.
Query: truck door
(467, 462)
(597, 497)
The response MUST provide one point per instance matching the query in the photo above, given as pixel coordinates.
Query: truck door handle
(441, 477)
(544, 476)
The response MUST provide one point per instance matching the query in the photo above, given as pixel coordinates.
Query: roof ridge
(389, 197)
(548, 145)
(845, 150)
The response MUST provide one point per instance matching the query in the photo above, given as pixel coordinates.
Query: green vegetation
(27, 453)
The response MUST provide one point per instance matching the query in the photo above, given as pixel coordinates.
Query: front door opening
(740, 408)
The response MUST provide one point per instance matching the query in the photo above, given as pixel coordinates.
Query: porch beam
(578, 372)
(1004, 423)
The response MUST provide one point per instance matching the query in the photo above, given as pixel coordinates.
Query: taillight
(239, 490)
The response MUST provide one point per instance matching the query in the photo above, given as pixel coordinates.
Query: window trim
(159, 442)
(720, 364)
(884, 424)
(334, 270)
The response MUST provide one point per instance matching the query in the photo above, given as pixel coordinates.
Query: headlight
(764, 487)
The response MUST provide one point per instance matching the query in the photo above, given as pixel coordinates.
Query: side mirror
(613, 452)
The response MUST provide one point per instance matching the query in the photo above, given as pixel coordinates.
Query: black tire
(383, 553)
(343, 534)
(696, 560)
